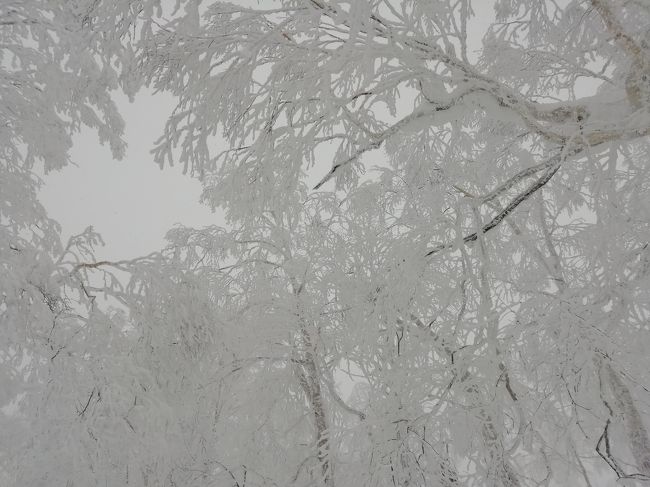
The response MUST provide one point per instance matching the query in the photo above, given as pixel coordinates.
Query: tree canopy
(434, 271)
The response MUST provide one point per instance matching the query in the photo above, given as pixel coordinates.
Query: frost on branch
(435, 269)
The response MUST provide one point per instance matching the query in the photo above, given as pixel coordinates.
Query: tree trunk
(310, 382)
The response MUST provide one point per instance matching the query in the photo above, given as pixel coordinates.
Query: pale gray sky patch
(132, 203)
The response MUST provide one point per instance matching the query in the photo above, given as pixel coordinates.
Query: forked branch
(498, 218)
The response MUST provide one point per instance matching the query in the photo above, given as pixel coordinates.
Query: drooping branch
(339, 400)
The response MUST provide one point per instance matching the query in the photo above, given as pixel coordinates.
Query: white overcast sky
(131, 203)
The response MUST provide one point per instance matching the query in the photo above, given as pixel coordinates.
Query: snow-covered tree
(57, 67)
(473, 311)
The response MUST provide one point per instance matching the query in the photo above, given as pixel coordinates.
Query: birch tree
(488, 149)
(435, 266)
